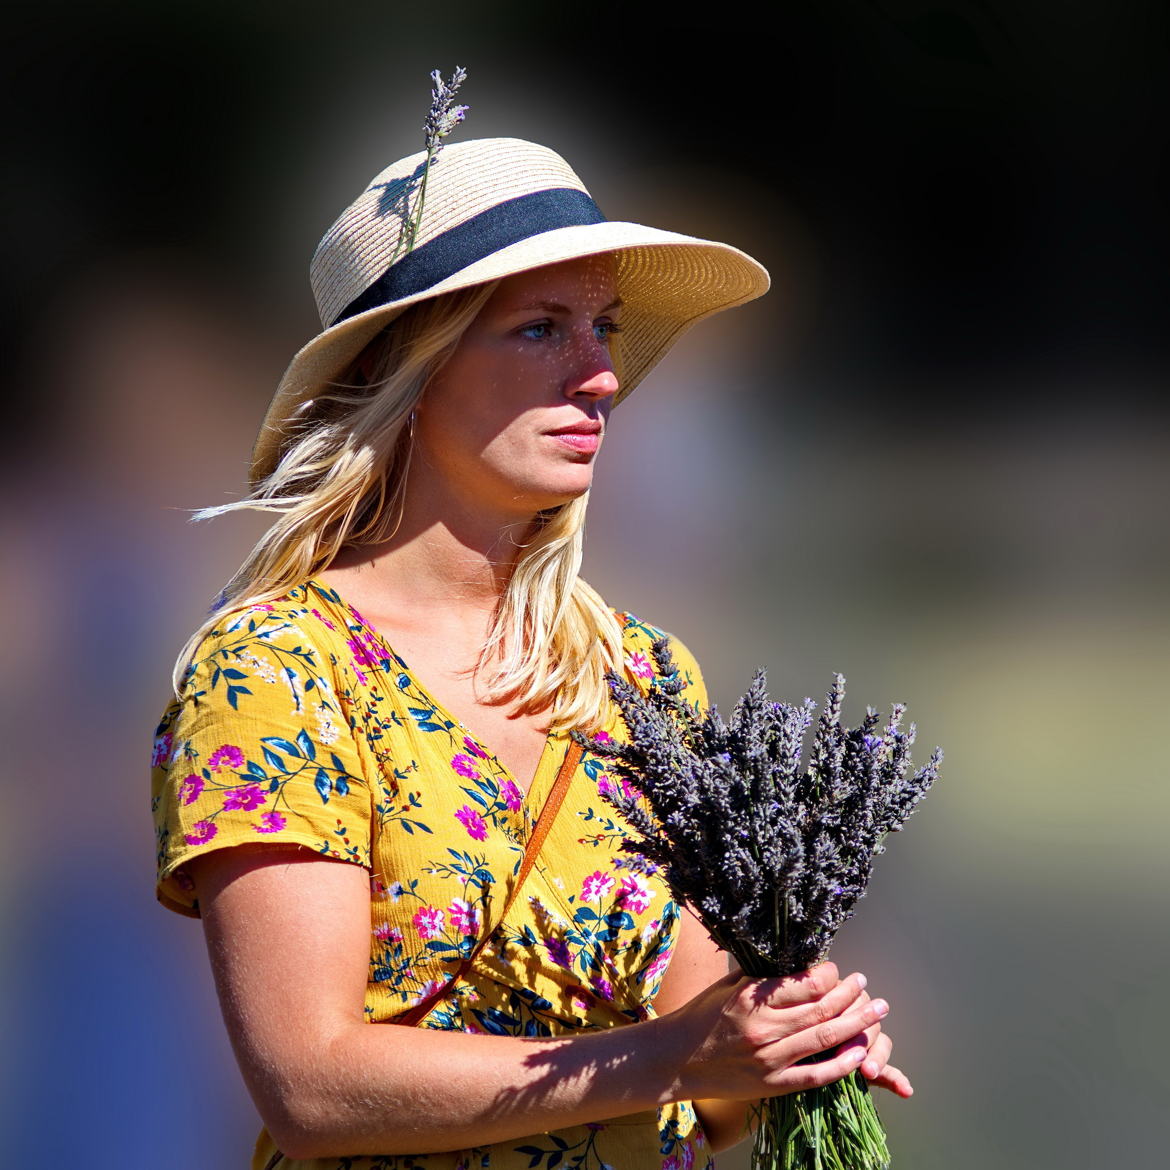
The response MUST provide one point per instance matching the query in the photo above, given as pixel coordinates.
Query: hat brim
(666, 281)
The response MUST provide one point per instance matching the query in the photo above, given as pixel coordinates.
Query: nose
(593, 377)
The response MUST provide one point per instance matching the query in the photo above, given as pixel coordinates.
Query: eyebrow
(556, 307)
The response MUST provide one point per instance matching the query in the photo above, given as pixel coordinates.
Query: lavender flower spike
(772, 847)
(442, 118)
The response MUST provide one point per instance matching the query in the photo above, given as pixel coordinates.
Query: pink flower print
(202, 832)
(657, 967)
(596, 886)
(688, 1156)
(323, 619)
(465, 766)
(639, 665)
(249, 797)
(558, 951)
(361, 655)
(270, 822)
(229, 755)
(513, 797)
(603, 737)
(635, 894)
(383, 931)
(429, 989)
(472, 822)
(629, 791)
(474, 748)
(190, 789)
(462, 917)
(162, 745)
(428, 921)
(603, 987)
(670, 1163)
(606, 786)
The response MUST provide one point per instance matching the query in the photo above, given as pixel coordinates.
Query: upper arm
(288, 935)
(695, 964)
(258, 750)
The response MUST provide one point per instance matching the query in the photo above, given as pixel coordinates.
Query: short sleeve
(258, 748)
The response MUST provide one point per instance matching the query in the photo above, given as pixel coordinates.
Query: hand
(875, 1067)
(743, 1039)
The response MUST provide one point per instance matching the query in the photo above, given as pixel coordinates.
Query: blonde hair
(341, 480)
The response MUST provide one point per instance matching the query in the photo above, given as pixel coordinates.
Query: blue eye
(606, 329)
(537, 331)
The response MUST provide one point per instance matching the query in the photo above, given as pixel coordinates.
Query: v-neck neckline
(556, 743)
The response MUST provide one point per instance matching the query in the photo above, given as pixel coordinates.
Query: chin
(557, 498)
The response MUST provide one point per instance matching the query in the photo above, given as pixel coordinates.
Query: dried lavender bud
(773, 857)
(443, 116)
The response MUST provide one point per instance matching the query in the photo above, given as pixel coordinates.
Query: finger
(804, 987)
(848, 994)
(877, 1057)
(827, 1036)
(798, 1077)
(895, 1080)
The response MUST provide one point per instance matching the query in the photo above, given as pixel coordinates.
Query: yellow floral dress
(298, 724)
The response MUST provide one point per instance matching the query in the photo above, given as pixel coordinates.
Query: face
(513, 422)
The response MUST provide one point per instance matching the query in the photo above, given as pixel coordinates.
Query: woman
(325, 795)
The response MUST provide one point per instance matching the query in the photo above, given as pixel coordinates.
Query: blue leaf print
(274, 761)
(306, 745)
(282, 745)
(322, 785)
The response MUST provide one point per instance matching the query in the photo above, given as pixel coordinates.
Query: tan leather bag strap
(539, 832)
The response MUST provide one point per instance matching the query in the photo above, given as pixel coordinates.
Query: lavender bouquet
(771, 853)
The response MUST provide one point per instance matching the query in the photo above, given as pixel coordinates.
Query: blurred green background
(934, 459)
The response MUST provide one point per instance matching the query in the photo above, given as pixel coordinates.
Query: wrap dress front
(298, 724)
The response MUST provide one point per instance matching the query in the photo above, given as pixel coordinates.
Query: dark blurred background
(934, 459)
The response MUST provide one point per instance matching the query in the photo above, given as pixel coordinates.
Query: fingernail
(870, 1068)
(880, 1007)
(862, 982)
(857, 1055)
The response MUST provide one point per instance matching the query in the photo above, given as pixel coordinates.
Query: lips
(583, 437)
(588, 427)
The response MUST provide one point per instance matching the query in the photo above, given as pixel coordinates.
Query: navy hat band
(474, 239)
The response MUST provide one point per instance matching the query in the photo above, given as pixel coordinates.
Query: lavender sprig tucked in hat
(443, 116)
(772, 852)
(441, 119)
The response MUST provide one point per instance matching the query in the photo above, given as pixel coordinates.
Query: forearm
(388, 1089)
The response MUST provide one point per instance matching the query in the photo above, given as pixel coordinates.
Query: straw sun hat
(493, 207)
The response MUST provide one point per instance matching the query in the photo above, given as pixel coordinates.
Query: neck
(456, 563)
